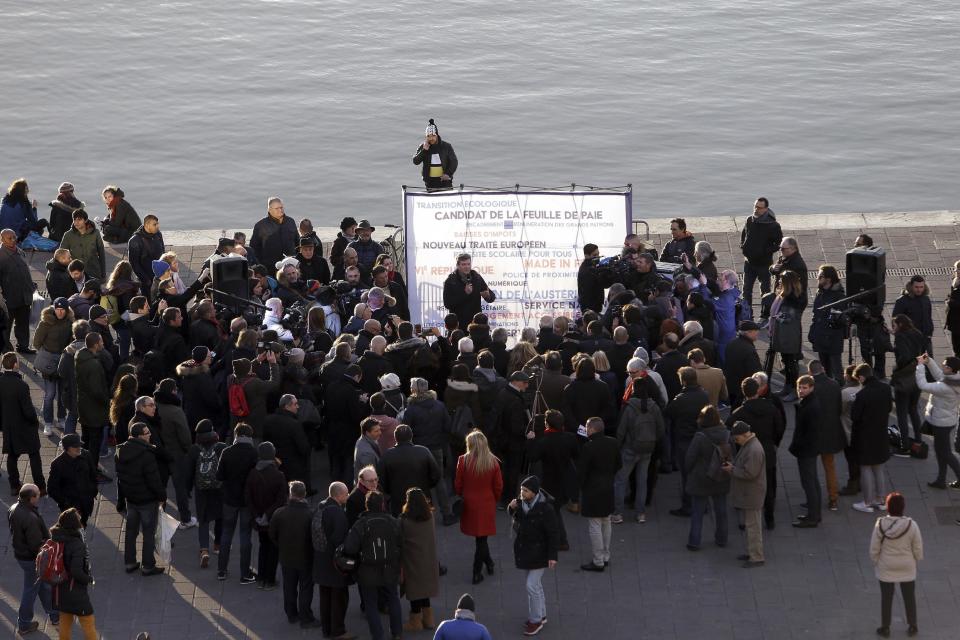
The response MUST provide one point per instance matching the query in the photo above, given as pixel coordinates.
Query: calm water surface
(201, 110)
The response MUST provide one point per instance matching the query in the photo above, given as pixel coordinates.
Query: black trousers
(297, 594)
(20, 317)
(907, 590)
(36, 470)
(333, 610)
(832, 364)
(867, 336)
(770, 499)
(853, 465)
(481, 553)
(416, 606)
(513, 468)
(955, 342)
(811, 486)
(92, 438)
(267, 558)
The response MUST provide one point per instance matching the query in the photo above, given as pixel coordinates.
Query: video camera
(294, 319)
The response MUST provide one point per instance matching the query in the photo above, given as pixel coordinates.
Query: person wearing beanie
(71, 597)
(265, 491)
(200, 467)
(438, 160)
(201, 399)
(748, 487)
(348, 233)
(61, 211)
(463, 625)
(73, 478)
(535, 546)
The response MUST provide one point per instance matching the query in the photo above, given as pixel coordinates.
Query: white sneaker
(616, 518)
(641, 518)
(48, 429)
(880, 506)
(189, 525)
(863, 507)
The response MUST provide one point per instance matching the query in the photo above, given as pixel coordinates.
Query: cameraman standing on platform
(438, 160)
(463, 289)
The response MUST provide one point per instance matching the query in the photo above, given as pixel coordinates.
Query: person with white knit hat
(438, 160)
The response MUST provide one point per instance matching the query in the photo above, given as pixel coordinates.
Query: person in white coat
(941, 413)
(272, 320)
(895, 549)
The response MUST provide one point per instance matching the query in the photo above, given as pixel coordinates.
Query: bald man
(329, 530)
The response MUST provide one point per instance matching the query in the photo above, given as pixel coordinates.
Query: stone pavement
(816, 583)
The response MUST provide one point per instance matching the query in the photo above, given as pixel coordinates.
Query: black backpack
(379, 541)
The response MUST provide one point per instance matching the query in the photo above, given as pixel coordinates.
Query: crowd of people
(215, 411)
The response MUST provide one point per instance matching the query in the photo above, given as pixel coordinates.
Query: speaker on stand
(867, 269)
(231, 280)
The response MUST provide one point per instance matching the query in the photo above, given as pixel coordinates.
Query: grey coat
(365, 452)
(748, 482)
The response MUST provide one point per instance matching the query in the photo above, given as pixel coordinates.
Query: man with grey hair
(430, 422)
(285, 430)
(290, 530)
(465, 354)
(789, 260)
(329, 529)
(528, 334)
(637, 367)
(275, 235)
(547, 339)
(28, 532)
(693, 339)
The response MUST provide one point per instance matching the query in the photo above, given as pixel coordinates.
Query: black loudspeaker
(230, 275)
(866, 269)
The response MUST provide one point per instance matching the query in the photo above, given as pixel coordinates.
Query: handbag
(46, 362)
(345, 564)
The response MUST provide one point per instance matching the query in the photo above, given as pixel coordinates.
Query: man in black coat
(374, 364)
(547, 339)
(346, 405)
(805, 446)
(682, 242)
(509, 422)
(20, 423)
(767, 423)
(597, 468)
(914, 302)
(407, 465)
(236, 462)
(556, 451)
(73, 478)
(143, 247)
(285, 431)
(589, 287)
(681, 415)
(16, 286)
(832, 438)
(169, 341)
(463, 289)
(313, 266)
(28, 532)
(329, 529)
(290, 531)
(206, 330)
(759, 239)
(274, 236)
(140, 486)
(741, 360)
(670, 364)
(201, 399)
(143, 330)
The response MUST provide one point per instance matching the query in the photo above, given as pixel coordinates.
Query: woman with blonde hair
(602, 364)
(479, 482)
(520, 355)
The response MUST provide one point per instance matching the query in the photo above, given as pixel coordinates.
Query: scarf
(465, 614)
(526, 506)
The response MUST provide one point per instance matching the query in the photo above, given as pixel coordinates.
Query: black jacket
(585, 399)
(170, 343)
(368, 574)
(73, 481)
(332, 519)
(143, 334)
(457, 301)
(407, 465)
(597, 467)
(290, 531)
(286, 433)
(138, 473)
(27, 530)
(508, 419)
(557, 451)
(142, 249)
(373, 365)
(344, 409)
(589, 287)
(266, 490)
(740, 362)
(827, 391)
(201, 399)
(709, 348)
(236, 462)
(953, 310)
(918, 309)
(765, 421)
(314, 269)
(58, 281)
(206, 333)
(537, 534)
(684, 409)
(272, 240)
(760, 239)
(18, 416)
(71, 596)
(673, 251)
(448, 159)
(796, 264)
(806, 431)
(124, 223)
(16, 283)
(430, 421)
(667, 366)
(869, 415)
(823, 337)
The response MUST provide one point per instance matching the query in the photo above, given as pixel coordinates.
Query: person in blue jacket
(464, 625)
(17, 212)
(725, 312)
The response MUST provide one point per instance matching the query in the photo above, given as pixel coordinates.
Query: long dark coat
(597, 467)
(832, 437)
(19, 416)
(332, 518)
(868, 434)
(421, 576)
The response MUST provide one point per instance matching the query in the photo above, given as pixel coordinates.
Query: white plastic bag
(166, 526)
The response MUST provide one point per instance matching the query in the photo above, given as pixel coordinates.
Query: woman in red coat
(480, 484)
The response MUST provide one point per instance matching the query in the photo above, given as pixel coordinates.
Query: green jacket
(93, 390)
(87, 247)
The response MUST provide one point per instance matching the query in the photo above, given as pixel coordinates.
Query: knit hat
(519, 376)
(61, 303)
(296, 356)
(641, 353)
(466, 602)
(65, 187)
(532, 483)
(347, 222)
(431, 129)
(204, 426)
(159, 267)
(739, 428)
(289, 260)
(389, 381)
(96, 311)
(199, 353)
(266, 451)
(70, 441)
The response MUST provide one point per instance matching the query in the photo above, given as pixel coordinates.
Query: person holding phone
(463, 289)
(438, 160)
(535, 546)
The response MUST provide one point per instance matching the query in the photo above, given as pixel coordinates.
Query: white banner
(528, 247)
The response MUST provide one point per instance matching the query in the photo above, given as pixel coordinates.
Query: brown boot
(428, 622)
(415, 623)
(204, 558)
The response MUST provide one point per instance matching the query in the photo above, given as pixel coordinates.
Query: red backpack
(49, 563)
(237, 398)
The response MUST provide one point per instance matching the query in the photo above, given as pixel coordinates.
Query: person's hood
(49, 316)
(146, 234)
(53, 265)
(458, 385)
(684, 236)
(893, 527)
(409, 343)
(428, 397)
(75, 346)
(133, 450)
(192, 368)
(766, 218)
(85, 354)
(489, 374)
(166, 398)
(908, 290)
(130, 316)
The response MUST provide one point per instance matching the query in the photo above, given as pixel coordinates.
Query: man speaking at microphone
(463, 289)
